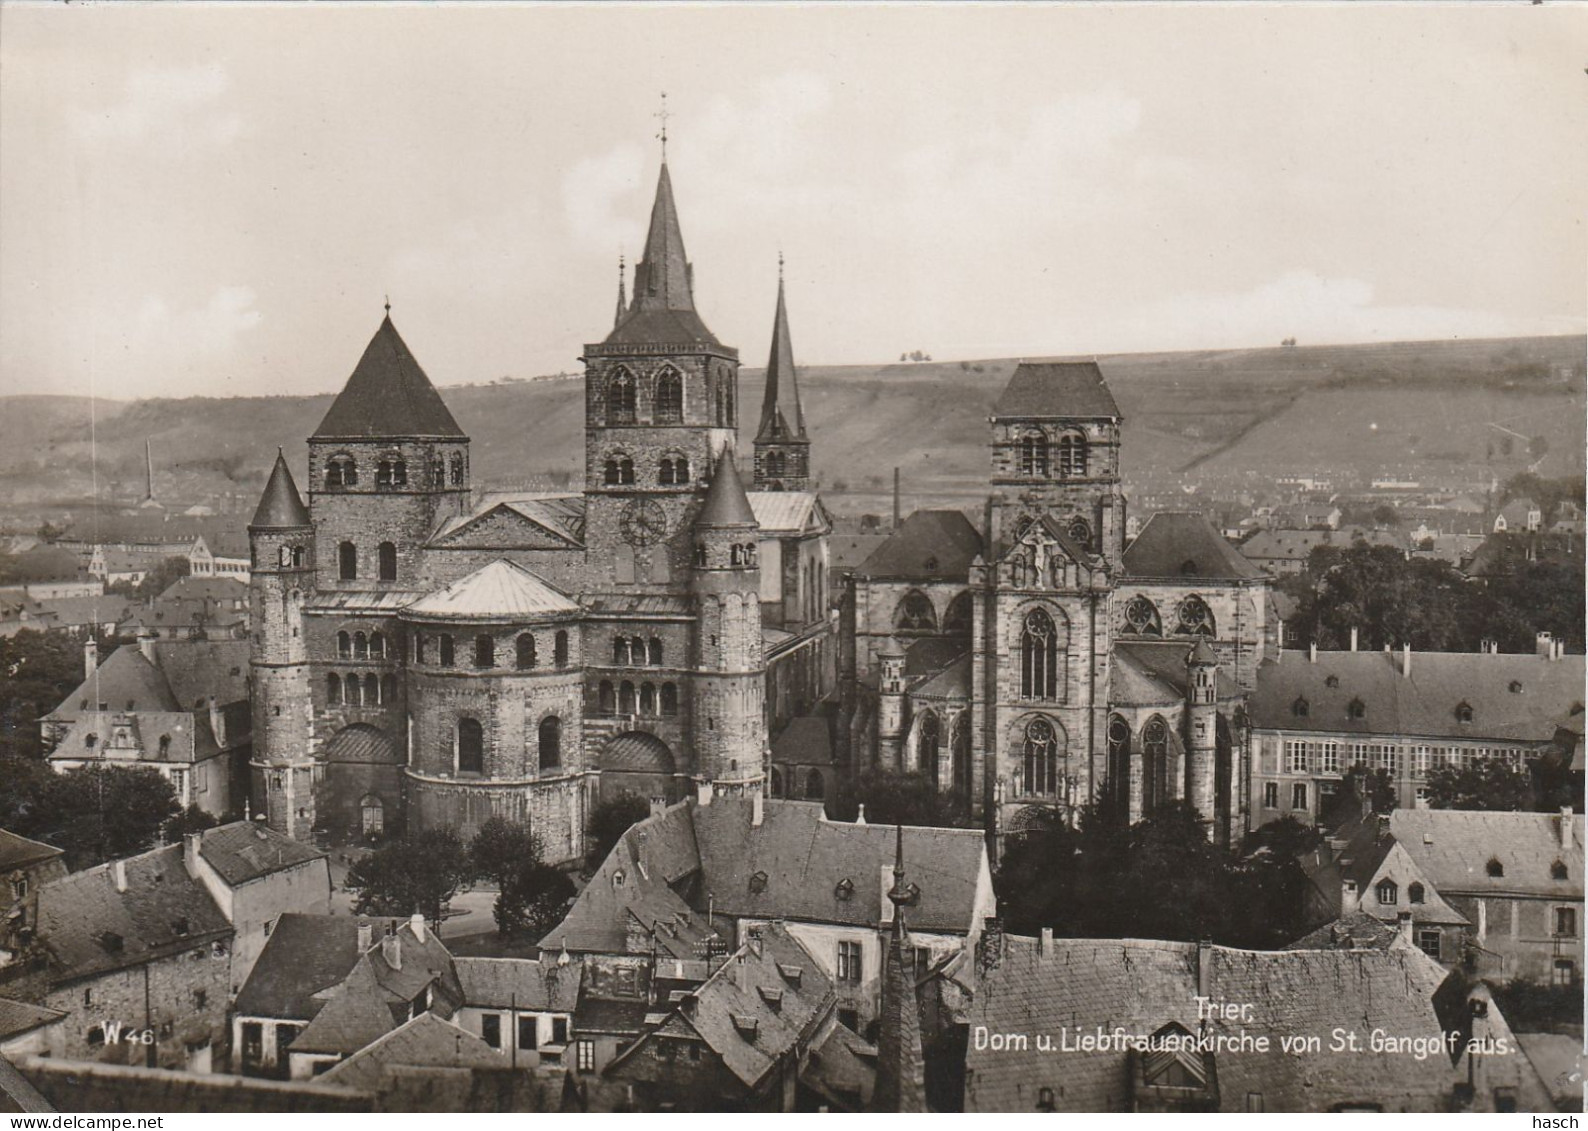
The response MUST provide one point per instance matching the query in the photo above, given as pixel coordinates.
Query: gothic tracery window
(1080, 531)
(1195, 618)
(959, 752)
(1033, 452)
(1041, 759)
(928, 744)
(1072, 456)
(1039, 657)
(669, 397)
(915, 613)
(1141, 617)
(1155, 763)
(620, 398)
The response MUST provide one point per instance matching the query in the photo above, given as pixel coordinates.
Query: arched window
(1039, 657)
(669, 397)
(669, 699)
(297, 557)
(664, 473)
(736, 554)
(636, 651)
(680, 469)
(626, 698)
(1387, 892)
(165, 746)
(347, 561)
(1119, 762)
(915, 613)
(560, 649)
(701, 558)
(815, 787)
(377, 646)
(526, 651)
(1557, 871)
(620, 398)
(484, 651)
(353, 692)
(647, 699)
(333, 689)
(1195, 618)
(1041, 761)
(388, 562)
(457, 471)
(1300, 708)
(399, 473)
(448, 658)
(654, 652)
(1033, 450)
(776, 466)
(1463, 712)
(344, 645)
(388, 688)
(471, 746)
(438, 472)
(620, 650)
(625, 471)
(1415, 893)
(360, 646)
(383, 474)
(1155, 763)
(609, 474)
(550, 742)
(371, 689)
(1080, 531)
(607, 702)
(959, 746)
(959, 618)
(341, 471)
(419, 647)
(1072, 456)
(1141, 617)
(927, 745)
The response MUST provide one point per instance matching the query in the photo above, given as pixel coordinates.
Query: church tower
(782, 449)
(661, 403)
(730, 736)
(281, 541)
(1202, 666)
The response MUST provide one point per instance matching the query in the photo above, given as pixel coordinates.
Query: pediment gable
(502, 527)
(1045, 556)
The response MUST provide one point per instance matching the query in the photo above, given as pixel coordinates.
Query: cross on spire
(388, 304)
(662, 115)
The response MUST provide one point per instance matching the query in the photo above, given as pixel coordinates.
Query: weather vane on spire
(388, 304)
(662, 115)
(780, 265)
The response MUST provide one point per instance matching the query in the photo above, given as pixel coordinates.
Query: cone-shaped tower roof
(280, 507)
(663, 307)
(901, 1065)
(726, 502)
(1202, 655)
(782, 417)
(388, 395)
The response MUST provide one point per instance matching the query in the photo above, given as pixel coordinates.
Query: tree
(190, 820)
(533, 900)
(1378, 786)
(1489, 783)
(500, 848)
(155, 582)
(38, 670)
(610, 819)
(419, 873)
(893, 798)
(100, 813)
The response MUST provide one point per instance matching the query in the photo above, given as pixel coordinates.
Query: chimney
(860, 816)
(217, 723)
(1560, 648)
(1045, 941)
(1312, 652)
(1353, 638)
(757, 810)
(366, 936)
(191, 843)
(1404, 922)
(1567, 829)
(1406, 660)
(146, 639)
(416, 924)
(703, 792)
(391, 949)
(90, 657)
(1545, 645)
(118, 873)
(1204, 968)
(1489, 647)
(1347, 895)
(658, 806)
(895, 498)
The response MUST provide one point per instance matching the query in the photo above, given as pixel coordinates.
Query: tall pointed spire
(280, 507)
(901, 1065)
(782, 416)
(662, 311)
(148, 460)
(623, 302)
(726, 503)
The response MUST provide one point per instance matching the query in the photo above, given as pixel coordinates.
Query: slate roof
(663, 306)
(1142, 985)
(726, 503)
(502, 983)
(847, 551)
(425, 1042)
(561, 515)
(220, 590)
(1355, 931)
(244, 851)
(1162, 664)
(192, 739)
(786, 512)
(943, 537)
(357, 1012)
(1424, 704)
(124, 677)
(1453, 847)
(1057, 389)
(623, 1016)
(1181, 544)
(388, 395)
(89, 927)
(280, 507)
(500, 591)
(18, 851)
(1296, 545)
(305, 956)
(75, 611)
(782, 417)
(806, 741)
(951, 683)
(18, 1017)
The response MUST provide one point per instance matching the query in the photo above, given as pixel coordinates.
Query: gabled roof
(726, 503)
(500, 591)
(18, 1017)
(280, 507)
(1163, 663)
(782, 417)
(788, 512)
(806, 741)
(1356, 930)
(18, 851)
(951, 683)
(1453, 848)
(519, 983)
(663, 307)
(305, 956)
(388, 396)
(930, 545)
(1181, 544)
(517, 520)
(1057, 390)
(125, 676)
(357, 1012)
(425, 1042)
(244, 851)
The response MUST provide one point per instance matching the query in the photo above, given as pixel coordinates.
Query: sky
(216, 200)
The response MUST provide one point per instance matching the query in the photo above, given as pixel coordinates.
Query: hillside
(1429, 410)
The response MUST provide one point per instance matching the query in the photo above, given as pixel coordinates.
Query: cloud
(159, 335)
(176, 103)
(592, 192)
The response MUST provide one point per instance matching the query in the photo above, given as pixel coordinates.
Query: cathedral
(426, 654)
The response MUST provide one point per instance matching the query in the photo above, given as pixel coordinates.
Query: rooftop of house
(1181, 544)
(183, 676)
(244, 851)
(930, 545)
(219, 590)
(1080, 985)
(425, 1042)
(106, 608)
(1494, 853)
(150, 736)
(1451, 695)
(18, 851)
(1296, 545)
(19, 1017)
(1153, 673)
(1356, 930)
(305, 956)
(519, 983)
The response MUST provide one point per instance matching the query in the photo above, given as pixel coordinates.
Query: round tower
(1202, 716)
(281, 543)
(729, 720)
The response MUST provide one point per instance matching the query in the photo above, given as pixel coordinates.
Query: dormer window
(1557, 870)
(1463, 712)
(1356, 709)
(1299, 708)
(1386, 891)
(1415, 893)
(1495, 869)
(1516, 687)
(845, 891)
(758, 882)
(1332, 681)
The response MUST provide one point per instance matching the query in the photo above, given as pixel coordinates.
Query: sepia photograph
(587, 559)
